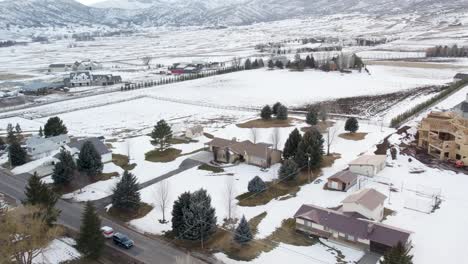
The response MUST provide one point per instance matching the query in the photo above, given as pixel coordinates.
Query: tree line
(446, 51)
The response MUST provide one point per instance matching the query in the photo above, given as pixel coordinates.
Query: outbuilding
(368, 165)
(342, 181)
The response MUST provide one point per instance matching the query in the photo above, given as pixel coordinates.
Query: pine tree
(255, 64)
(256, 185)
(399, 254)
(271, 64)
(90, 241)
(290, 147)
(243, 235)
(17, 154)
(18, 129)
(261, 64)
(2, 144)
(311, 117)
(39, 194)
(182, 203)
(64, 169)
(161, 134)
(266, 112)
(248, 64)
(282, 113)
(275, 108)
(199, 218)
(279, 64)
(311, 146)
(89, 160)
(11, 136)
(54, 127)
(41, 133)
(352, 125)
(288, 170)
(308, 62)
(125, 194)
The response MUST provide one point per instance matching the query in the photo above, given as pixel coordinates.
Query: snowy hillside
(35, 13)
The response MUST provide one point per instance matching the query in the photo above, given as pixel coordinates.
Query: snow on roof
(374, 160)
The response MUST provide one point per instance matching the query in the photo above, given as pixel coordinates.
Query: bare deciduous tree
(23, 235)
(254, 134)
(146, 60)
(162, 197)
(230, 199)
(275, 137)
(331, 135)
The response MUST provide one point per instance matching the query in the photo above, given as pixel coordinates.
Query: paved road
(146, 250)
(369, 258)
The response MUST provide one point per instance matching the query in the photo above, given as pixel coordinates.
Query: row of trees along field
(446, 51)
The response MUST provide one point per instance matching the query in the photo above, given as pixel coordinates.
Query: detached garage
(368, 165)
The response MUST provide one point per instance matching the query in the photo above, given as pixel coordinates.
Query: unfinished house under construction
(445, 136)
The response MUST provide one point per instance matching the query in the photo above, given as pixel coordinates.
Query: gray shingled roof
(252, 149)
(360, 228)
(368, 198)
(100, 147)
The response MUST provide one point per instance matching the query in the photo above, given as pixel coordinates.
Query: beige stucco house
(231, 151)
(445, 136)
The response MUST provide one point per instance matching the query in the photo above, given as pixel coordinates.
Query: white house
(368, 165)
(59, 67)
(80, 79)
(194, 132)
(87, 65)
(38, 147)
(102, 149)
(366, 202)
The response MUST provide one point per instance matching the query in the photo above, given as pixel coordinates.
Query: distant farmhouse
(232, 151)
(39, 147)
(185, 68)
(62, 67)
(86, 65)
(85, 78)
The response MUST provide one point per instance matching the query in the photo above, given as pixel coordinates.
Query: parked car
(107, 231)
(122, 240)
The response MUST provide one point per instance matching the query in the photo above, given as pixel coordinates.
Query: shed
(342, 181)
(368, 165)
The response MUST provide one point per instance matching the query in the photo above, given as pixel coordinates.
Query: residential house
(40, 87)
(368, 165)
(39, 147)
(86, 65)
(185, 68)
(194, 132)
(78, 79)
(460, 77)
(59, 67)
(231, 151)
(335, 225)
(366, 202)
(342, 181)
(445, 136)
(105, 79)
(462, 108)
(102, 149)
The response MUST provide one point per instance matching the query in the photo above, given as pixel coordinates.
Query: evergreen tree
(89, 160)
(352, 125)
(399, 254)
(243, 234)
(64, 169)
(256, 185)
(266, 112)
(125, 194)
(279, 64)
(2, 144)
(90, 241)
(290, 147)
(282, 113)
(271, 64)
(261, 64)
(17, 154)
(307, 61)
(248, 64)
(161, 134)
(275, 108)
(311, 117)
(312, 62)
(41, 133)
(18, 129)
(199, 218)
(288, 170)
(54, 127)
(182, 203)
(255, 64)
(311, 146)
(11, 136)
(39, 194)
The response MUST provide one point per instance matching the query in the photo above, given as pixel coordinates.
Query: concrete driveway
(369, 258)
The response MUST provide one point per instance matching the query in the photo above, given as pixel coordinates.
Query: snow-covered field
(58, 251)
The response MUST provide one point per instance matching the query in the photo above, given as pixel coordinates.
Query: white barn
(368, 165)
(366, 202)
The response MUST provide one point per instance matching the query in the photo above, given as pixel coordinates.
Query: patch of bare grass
(128, 215)
(353, 136)
(260, 123)
(166, 155)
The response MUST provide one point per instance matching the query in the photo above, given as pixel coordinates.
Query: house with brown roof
(445, 136)
(335, 225)
(232, 151)
(366, 202)
(342, 181)
(368, 165)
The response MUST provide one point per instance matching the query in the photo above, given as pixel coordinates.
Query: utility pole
(308, 165)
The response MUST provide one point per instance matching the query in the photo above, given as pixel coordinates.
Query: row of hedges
(398, 120)
(181, 78)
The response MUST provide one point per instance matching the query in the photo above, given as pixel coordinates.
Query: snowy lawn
(58, 251)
